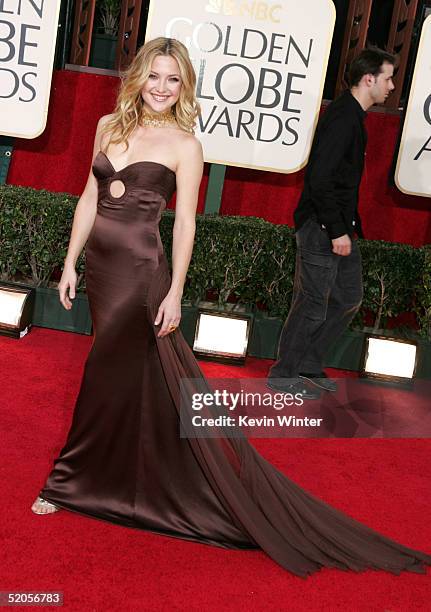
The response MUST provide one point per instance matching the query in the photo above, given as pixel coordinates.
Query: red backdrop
(59, 161)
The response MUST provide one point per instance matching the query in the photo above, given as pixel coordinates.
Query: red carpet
(99, 566)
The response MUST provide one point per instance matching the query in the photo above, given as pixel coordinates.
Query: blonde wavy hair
(129, 107)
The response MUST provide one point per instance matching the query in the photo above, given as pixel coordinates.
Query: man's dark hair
(369, 61)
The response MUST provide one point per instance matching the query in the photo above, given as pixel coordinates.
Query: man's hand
(342, 245)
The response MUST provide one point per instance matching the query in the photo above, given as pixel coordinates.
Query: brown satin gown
(124, 460)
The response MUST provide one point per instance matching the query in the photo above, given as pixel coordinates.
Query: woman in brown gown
(124, 460)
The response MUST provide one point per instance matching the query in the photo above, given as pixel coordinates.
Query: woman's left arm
(189, 175)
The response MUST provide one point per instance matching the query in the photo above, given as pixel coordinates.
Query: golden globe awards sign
(260, 68)
(28, 31)
(413, 174)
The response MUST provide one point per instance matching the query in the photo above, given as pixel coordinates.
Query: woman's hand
(169, 315)
(67, 286)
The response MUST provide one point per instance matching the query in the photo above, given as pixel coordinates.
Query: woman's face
(162, 88)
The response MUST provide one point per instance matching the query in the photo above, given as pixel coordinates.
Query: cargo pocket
(316, 278)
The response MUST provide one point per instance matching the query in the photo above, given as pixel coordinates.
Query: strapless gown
(124, 460)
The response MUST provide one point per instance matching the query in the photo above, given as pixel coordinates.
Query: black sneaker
(293, 386)
(321, 381)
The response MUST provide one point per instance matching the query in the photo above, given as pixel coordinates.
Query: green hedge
(242, 259)
(423, 294)
(34, 233)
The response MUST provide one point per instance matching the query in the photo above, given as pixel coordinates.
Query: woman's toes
(43, 508)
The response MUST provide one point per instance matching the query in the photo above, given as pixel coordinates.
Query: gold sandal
(43, 502)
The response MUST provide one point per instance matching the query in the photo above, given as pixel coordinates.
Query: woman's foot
(41, 506)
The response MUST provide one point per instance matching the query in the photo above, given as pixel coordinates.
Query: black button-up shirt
(334, 171)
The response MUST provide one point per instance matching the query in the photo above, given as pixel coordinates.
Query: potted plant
(105, 35)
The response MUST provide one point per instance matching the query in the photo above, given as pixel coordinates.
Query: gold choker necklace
(163, 119)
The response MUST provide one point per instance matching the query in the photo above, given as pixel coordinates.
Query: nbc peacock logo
(218, 7)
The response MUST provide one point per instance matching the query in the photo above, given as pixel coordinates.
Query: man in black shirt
(328, 278)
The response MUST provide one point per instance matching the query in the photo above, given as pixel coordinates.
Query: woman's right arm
(83, 221)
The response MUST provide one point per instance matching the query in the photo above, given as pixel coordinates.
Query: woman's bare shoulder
(104, 120)
(102, 136)
(190, 157)
(189, 142)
